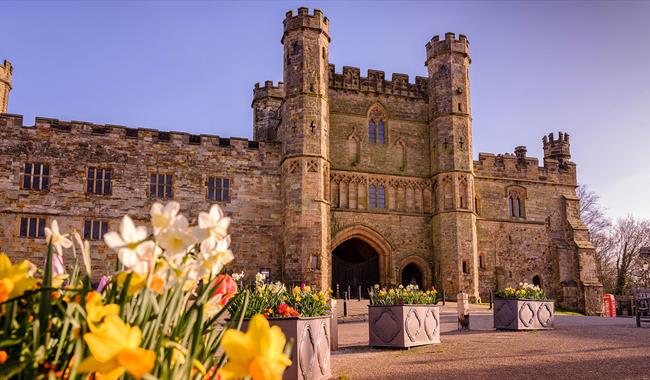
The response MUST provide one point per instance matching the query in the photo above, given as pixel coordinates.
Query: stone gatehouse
(349, 180)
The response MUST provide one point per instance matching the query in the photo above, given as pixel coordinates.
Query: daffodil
(163, 216)
(215, 254)
(96, 311)
(14, 279)
(177, 238)
(215, 223)
(115, 349)
(137, 283)
(127, 243)
(258, 353)
(54, 237)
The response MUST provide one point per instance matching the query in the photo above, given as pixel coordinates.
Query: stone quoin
(350, 180)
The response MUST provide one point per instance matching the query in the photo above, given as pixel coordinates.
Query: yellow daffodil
(96, 311)
(14, 279)
(137, 283)
(115, 348)
(259, 353)
(296, 290)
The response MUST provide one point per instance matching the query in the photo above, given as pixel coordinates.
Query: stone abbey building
(349, 180)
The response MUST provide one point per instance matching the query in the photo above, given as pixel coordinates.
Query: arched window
(376, 196)
(516, 196)
(537, 281)
(376, 129)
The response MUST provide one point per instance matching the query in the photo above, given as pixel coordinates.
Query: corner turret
(557, 149)
(266, 110)
(6, 73)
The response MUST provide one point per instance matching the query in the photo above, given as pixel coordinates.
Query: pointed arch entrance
(360, 257)
(416, 270)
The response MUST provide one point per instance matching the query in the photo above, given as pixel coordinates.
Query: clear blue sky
(581, 67)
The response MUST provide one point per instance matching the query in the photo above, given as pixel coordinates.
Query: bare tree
(593, 215)
(627, 237)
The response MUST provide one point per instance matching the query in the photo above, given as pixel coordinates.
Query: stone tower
(6, 71)
(304, 135)
(266, 106)
(557, 149)
(450, 122)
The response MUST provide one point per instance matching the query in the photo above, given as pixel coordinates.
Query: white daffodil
(177, 238)
(238, 276)
(127, 241)
(163, 216)
(141, 259)
(54, 237)
(215, 223)
(215, 254)
(213, 306)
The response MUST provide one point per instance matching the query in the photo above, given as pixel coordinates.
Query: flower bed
(403, 317)
(524, 308)
(155, 317)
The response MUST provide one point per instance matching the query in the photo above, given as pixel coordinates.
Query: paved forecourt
(578, 348)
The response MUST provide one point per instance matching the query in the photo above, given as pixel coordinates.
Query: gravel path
(578, 348)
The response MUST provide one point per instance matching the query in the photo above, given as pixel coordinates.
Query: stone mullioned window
(36, 176)
(95, 229)
(218, 189)
(161, 186)
(32, 227)
(98, 181)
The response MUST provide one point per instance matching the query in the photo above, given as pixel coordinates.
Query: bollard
(443, 297)
(462, 303)
(359, 293)
(345, 304)
(349, 292)
(334, 329)
(490, 300)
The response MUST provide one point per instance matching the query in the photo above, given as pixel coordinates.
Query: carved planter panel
(403, 325)
(310, 355)
(523, 314)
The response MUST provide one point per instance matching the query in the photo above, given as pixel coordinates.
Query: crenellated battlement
(557, 149)
(303, 20)
(519, 166)
(269, 90)
(75, 127)
(448, 45)
(351, 79)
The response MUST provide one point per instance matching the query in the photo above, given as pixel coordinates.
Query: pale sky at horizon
(537, 67)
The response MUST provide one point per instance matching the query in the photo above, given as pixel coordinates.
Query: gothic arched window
(376, 129)
(516, 203)
(376, 196)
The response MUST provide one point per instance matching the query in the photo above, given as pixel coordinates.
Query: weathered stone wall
(71, 147)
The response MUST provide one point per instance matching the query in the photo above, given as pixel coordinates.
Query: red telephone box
(609, 303)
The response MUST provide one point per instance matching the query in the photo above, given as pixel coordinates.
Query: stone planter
(310, 355)
(513, 314)
(403, 326)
